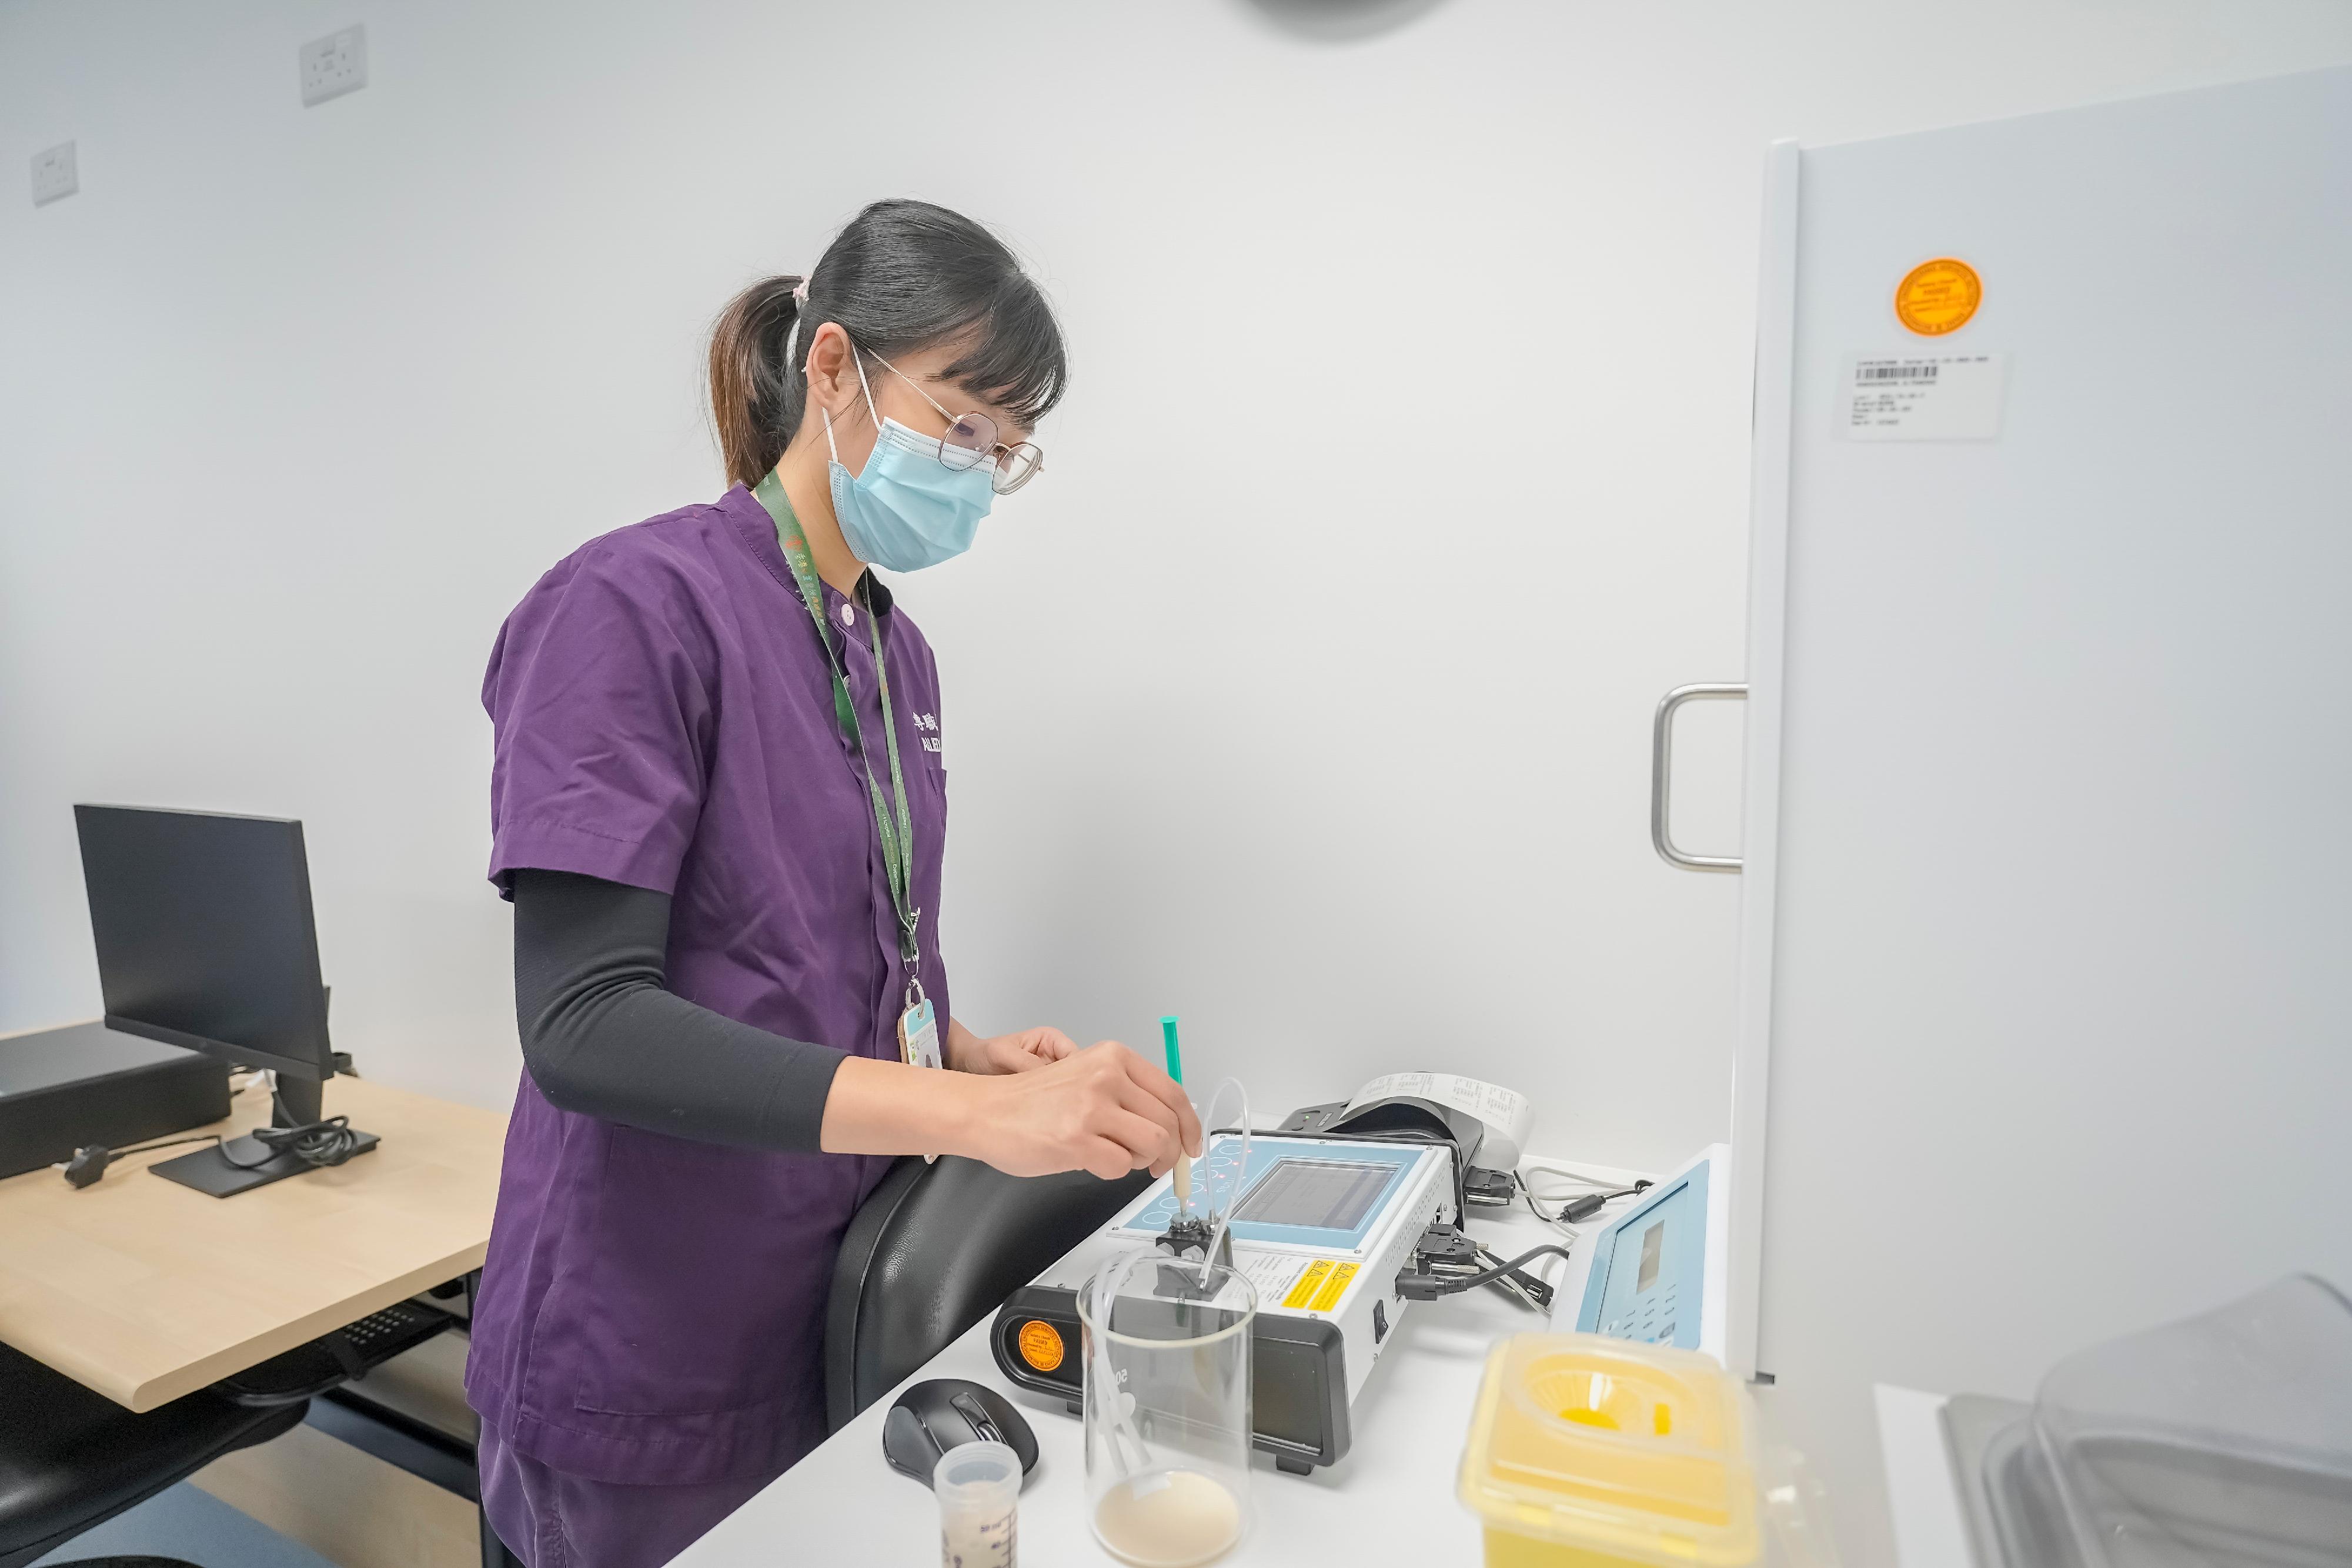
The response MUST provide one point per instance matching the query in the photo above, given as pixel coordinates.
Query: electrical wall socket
(54, 174)
(334, 65)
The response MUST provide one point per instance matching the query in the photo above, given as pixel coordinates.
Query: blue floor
(193, 1526)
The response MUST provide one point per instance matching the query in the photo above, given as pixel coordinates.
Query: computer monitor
(205, 940)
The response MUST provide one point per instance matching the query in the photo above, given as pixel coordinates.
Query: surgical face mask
(908, 510)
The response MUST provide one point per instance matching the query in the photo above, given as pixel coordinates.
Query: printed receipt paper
(1505, 1112)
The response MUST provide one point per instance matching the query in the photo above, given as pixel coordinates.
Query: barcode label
(1922, 397)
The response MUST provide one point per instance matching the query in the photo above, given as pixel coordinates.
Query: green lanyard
(898, 837)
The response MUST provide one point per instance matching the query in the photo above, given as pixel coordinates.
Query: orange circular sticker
(1041, 1345)
(1937, 296)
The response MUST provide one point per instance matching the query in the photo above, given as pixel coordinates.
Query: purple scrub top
(653, 1309)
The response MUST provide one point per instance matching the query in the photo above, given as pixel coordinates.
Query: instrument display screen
(1333, 1195)
(1648, 1280)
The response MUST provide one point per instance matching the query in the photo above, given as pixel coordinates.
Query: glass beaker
(1167, 1407)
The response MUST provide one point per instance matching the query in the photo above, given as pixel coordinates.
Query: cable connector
(1441, 1253)
(1495, 1189)
(86, 1166)
(1444, 1245)
(1413, 1286)
(90, 1161)
(1447, 1262)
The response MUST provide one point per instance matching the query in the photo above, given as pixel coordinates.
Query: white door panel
(2057, 1039)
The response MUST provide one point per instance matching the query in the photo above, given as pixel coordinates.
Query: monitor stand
(240, 1165)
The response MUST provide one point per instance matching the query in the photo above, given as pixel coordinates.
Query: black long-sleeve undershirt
(602, 1034)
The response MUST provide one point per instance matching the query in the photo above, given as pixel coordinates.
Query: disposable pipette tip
(1175, 1057)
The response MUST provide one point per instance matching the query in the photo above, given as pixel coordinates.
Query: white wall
(1330, 734)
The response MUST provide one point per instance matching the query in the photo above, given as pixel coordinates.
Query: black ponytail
(901, 276)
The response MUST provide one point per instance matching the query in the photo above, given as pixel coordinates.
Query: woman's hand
(1015, 1052)
(1105, 1110)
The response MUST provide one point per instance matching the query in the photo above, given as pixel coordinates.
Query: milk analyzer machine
(1338, 1218)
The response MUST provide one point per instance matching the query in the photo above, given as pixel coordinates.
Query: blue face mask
(908, 510)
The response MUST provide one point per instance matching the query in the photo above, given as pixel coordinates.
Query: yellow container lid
(1623, 1451)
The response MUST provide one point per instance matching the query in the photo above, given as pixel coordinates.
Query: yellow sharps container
(1587, 1452)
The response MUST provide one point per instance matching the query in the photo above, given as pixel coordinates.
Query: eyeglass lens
(968, 440)
(972, 439)
(1016, 467)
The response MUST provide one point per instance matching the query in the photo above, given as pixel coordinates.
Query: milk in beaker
(1169, 1519)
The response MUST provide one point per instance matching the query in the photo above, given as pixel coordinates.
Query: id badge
(918, 1035)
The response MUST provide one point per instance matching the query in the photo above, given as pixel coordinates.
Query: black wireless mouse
(945, 1412)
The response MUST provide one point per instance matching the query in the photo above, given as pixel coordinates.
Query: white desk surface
(1389, 1501)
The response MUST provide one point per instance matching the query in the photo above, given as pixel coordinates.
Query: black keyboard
(334, 1359)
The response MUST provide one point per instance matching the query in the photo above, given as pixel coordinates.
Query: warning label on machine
(1271, 1273)
(1316, 1288)
(1303, 1293)
(1335, 1285)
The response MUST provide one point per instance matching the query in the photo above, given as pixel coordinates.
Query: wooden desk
(145, 1290)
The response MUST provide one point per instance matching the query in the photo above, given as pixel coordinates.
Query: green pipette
(1183, 1172)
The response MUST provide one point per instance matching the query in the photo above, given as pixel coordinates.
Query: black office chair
(934, 1249)
(71, 1458)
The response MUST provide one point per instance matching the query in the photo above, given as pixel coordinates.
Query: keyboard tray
(334, 1359)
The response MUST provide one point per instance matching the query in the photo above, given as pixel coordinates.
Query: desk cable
(1574, 1209)
(327, 1143)
(89, 1164)
(1446, 1263)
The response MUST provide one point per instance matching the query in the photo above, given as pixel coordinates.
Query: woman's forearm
(889, 1108)
(603, 1035)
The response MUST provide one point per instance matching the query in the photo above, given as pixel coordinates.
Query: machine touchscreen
(1332, 1194)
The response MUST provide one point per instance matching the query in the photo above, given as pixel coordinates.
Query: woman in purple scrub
(718, 801)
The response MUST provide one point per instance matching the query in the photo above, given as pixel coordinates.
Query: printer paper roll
(1505, 1112)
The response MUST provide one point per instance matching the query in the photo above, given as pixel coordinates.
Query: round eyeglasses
(972, 439)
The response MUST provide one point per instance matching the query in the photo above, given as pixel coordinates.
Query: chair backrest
(71, 1458)
(935, 1248)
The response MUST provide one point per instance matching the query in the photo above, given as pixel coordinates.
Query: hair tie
(800, 292)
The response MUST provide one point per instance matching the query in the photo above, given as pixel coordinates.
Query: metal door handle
(1661, 757)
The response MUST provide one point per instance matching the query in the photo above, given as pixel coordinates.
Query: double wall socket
(54, 174)
(334, 65)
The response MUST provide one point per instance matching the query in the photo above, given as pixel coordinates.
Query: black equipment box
(1298, 1375)
(61, 1089)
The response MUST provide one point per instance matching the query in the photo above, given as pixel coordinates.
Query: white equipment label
(1271, 1273)
(1922, 397)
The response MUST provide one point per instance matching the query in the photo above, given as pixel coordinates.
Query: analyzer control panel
(1294, 1192)
(1656, 1273)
